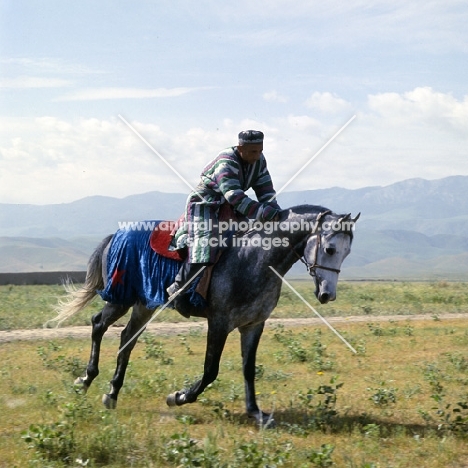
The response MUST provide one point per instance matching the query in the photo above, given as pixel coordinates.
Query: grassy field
(402, 401)
(31, 306)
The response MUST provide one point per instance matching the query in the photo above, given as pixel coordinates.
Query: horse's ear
(345, 218)
(357, 217)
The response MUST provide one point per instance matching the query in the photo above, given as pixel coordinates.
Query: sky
(120, 98)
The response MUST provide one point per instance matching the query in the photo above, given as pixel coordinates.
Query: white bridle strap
(311, 267)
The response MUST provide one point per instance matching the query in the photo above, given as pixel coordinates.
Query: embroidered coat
(225, 179)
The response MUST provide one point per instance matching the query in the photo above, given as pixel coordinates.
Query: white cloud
(57, 160)
(46, 65)
(93, 94)
(422, 106)
(51, 160)
(273, 96)
(303, 122)
(419, 133)
(327, 102)
(25, 82)
(398, 136)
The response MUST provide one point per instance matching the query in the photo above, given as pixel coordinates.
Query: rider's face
(250, 152)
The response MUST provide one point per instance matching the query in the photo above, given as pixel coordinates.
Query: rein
(311, 267)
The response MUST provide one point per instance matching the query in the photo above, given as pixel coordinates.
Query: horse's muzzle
(324, 298)
(324, 294)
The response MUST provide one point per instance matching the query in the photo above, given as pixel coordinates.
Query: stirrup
(172, 291)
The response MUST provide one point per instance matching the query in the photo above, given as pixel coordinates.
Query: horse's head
(328, 244)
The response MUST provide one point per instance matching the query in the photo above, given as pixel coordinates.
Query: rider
(224, 180)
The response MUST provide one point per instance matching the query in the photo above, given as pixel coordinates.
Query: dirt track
(185, 327)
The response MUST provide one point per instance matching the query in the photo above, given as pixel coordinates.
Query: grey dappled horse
(244, 290)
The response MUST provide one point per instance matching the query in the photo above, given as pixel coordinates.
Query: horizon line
(185, 194)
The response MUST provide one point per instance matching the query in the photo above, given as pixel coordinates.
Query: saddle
(161, 238)
(160, 242)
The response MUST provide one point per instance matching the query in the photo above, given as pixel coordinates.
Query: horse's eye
(330, 250)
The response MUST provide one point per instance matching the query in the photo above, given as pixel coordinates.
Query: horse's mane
(304, 209)
(299, 210)
(308, 210)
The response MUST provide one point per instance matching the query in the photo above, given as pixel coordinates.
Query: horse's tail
(78, 299)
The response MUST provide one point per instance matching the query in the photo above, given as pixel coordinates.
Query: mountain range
(413, 229)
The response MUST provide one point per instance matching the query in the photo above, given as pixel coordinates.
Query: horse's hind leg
(128, 338)
(100, 322)
(250, 337)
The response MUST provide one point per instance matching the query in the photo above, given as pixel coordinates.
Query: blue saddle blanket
(135, 272)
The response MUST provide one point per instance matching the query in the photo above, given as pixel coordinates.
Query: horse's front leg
(216, 339)
(109, 314)
(250, 337)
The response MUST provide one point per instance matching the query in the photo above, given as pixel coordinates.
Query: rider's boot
(187, 272)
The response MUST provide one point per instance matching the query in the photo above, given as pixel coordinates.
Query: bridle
(312, 267)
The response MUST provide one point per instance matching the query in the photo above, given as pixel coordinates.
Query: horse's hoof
(79, 382)
(175, 399)
(171, 399)
(268, 423)
(264, 420)
(109, 402)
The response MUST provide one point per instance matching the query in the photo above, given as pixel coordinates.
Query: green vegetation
(32, 306)
(377, 298)
(402, 401)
